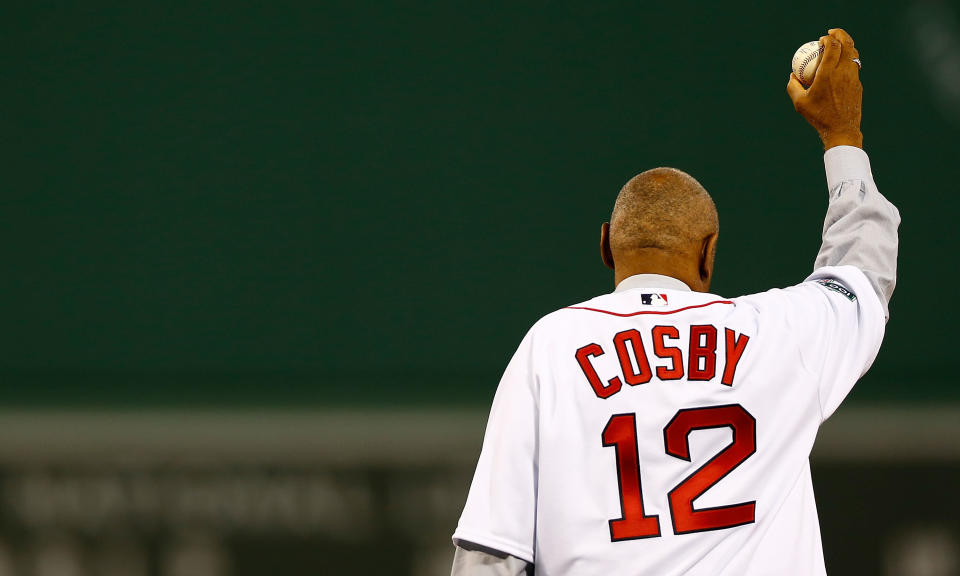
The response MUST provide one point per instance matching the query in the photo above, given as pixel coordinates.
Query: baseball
(806, 61)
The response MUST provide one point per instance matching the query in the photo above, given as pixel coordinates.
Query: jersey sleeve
(500, 512)
(860, 227)
(835, 321)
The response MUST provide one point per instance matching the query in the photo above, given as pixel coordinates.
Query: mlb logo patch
(653, 299)
(831, 284)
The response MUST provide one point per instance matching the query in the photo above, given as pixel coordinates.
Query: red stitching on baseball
(805, 61)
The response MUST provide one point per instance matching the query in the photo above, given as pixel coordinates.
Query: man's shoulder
(845, 281)
(563, 319)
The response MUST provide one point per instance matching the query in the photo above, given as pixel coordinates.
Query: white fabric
(546, 487)
(651, 281)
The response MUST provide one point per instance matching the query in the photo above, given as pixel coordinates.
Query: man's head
(664, 222)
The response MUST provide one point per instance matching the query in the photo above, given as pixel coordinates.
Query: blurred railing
(378, 492)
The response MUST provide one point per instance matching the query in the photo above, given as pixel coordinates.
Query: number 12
(621, 433)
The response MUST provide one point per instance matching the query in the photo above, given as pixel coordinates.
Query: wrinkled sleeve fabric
(844, 321)
(860, 228)
(481, 563)
(501, 508)
(834, 321)
(831, 324)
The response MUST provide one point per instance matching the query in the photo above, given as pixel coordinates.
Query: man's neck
(653, 261)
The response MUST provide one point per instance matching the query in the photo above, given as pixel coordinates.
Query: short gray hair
(662, 208)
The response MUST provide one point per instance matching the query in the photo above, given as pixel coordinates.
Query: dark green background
(353, 202)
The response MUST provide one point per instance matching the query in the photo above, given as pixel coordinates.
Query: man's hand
(832, 104)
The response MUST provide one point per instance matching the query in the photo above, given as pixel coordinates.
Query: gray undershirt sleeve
(860, 228)
(474, 560)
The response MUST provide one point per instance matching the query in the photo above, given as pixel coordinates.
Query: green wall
(353, 203)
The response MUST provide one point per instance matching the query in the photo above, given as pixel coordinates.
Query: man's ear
(605, 253)
(708, 252)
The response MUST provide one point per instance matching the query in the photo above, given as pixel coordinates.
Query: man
(664, 430)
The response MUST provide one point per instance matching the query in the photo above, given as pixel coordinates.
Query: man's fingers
(841, 35)
(795, 90)
(848, 52)
(831, 53)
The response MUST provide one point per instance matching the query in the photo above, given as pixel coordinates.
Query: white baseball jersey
(661, 431)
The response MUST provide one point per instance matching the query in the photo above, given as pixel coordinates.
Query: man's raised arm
(860, 228)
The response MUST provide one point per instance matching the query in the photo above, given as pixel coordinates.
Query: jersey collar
(651, 281)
